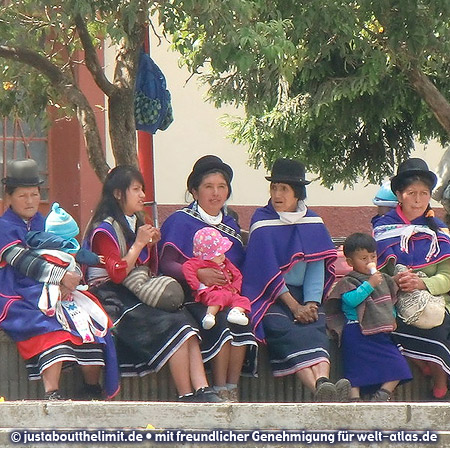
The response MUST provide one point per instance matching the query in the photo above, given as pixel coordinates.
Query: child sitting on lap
(209, 250)
(361, 308)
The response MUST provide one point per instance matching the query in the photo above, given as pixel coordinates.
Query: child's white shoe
(208, 321)
(237, 317)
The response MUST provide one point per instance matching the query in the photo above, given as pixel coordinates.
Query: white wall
(196, 131)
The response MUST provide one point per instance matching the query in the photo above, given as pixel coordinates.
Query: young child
(60, 233)
(384, 200)
(209, 251)
(361, 308)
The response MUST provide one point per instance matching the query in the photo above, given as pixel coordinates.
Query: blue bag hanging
(152, 105)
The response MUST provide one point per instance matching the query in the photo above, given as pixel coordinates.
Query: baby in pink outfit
(209, 251)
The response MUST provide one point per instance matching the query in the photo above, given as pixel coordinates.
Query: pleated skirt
(431, 345)
(222, 332)
(145, 337)
(293, 346)
(371, 360)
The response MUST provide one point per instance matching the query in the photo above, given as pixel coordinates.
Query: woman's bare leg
(51, 376)
(220, 364)
(237, 356)
(91, 374)
(186, 367)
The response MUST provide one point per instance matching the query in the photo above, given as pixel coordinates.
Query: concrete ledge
(250, 424)
(242, 416)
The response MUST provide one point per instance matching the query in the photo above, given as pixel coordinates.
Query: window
(19, 141)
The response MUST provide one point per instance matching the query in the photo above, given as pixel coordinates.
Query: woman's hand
(156, 236)
(210, 276)
(307, 313)
(146, 234)
(409, 281)
(70, 281)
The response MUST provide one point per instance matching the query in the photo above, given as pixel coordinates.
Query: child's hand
(101, 259)
(375, 279)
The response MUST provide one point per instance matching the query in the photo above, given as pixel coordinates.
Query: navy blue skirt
(293, 346)
(431, 345)
(371, 360)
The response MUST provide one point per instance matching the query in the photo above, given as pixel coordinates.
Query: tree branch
(34, 59)
(66, 86)
(91, 59)
(432, 97)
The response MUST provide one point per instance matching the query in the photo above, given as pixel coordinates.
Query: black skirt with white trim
(431, 345)
(145, 337)
(67, 353)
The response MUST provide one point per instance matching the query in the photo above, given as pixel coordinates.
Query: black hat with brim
(22, 173)
(206, 164)
(411, 167)
(288, 171)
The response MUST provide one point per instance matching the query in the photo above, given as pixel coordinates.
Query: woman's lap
(291, 345)
(222, 332)
(432, 345)
(145, 337)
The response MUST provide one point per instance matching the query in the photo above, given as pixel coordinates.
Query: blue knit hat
(61, 223)
(385, 196)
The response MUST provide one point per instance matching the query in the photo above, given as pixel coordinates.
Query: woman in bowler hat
(227, 346)
(411, 235)
(288, 271)
(46, 341)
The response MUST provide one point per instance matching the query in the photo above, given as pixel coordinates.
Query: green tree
(345, 85)
(43, 42)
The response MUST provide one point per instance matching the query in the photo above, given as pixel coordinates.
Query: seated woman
(146, 337)
(48, 341)
(412, 236)
(287, 272)
(225, 345)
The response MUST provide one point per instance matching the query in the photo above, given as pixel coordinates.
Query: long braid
(429, 217)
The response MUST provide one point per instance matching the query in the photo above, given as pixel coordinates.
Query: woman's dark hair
(403, 183)
(195, 181)
(119, 180)
(299, 190)
(359, 241)
(9, 190)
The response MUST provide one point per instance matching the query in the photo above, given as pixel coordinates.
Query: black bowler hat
(22, 172)
(411, 167)
(288, 171)
(206, 164)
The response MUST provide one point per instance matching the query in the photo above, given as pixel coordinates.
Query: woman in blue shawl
(288, 270)
(410, 235)
(65, 334)
(227, 346)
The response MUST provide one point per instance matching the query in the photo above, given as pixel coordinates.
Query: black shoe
(382, 395)
(343, 389)
(187, 398)
(325, 391)
(92, 392)
(53, 396)
(206, 395)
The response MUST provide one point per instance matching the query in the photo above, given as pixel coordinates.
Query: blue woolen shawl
(273, 248)
(20, 316)
(179, 228)
(388, 250)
